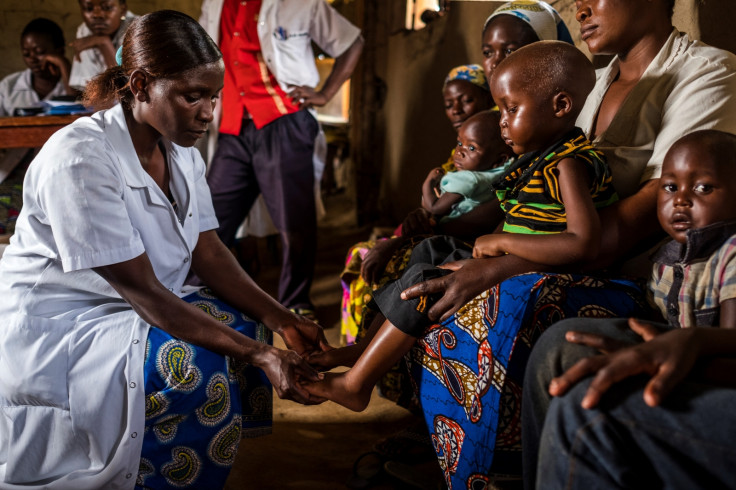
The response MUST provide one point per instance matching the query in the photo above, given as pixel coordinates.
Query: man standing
(266, 136)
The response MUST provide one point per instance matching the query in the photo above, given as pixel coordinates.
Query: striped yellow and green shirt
(529, 192)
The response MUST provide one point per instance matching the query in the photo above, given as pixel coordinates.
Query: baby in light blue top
(480, 158)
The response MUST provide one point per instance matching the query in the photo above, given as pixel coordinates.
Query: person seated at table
(549, 197)
(98, 38)
(47, 76)
(111, 374)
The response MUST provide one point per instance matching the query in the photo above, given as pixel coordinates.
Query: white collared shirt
(16, 90)
(71, 350)
(687, 87)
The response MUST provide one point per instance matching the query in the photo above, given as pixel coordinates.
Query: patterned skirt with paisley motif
(200, 404)
(469, 369)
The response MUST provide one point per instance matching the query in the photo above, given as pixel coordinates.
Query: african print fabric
(468, 370)
(200, 404)
(529, 192)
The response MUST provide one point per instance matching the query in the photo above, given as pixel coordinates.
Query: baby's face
(102, 17)
(695, 191)
(479, 147)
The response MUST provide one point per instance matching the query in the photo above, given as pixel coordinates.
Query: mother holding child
(492, 308)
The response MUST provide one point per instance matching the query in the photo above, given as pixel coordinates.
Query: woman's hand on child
(666, 357)
(489, 246)
(306, 97)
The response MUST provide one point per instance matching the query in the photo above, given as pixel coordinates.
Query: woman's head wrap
(540, 16)
(471, 73)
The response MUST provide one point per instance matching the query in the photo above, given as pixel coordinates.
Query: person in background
(98, 38)
(516, 24)
(47, 76)
(266, 140)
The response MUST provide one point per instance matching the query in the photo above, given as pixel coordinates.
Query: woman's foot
(338, 388)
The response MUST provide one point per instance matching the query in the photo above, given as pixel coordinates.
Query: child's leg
(349, 355)
(352, 389)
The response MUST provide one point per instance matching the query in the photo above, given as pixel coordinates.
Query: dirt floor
(316, 447)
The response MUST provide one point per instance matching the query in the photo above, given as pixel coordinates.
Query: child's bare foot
(342, 356)
(337, 388)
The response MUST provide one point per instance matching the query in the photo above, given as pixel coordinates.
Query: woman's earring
(122, 17)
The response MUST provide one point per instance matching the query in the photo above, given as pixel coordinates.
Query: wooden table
(31, 131)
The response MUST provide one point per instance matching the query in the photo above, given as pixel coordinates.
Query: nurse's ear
(139, 81)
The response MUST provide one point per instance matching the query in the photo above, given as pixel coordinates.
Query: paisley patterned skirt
(200, 404)
(469, 369)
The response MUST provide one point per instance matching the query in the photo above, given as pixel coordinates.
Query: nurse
(111, 375)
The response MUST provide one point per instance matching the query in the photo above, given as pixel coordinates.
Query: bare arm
(103, 43)
(218, 269)
(137, 284)
(341, 71)
(579, 242)
(728, 313)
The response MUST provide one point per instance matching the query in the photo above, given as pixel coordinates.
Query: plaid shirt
(690, 280)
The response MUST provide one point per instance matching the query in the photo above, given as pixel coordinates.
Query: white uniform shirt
(687, 87)
(71, 350)
(91, 62)
(16, 90)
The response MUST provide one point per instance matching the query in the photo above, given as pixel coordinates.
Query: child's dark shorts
(410, 316)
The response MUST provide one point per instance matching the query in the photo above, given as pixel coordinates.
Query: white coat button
(132, 384)
(186, 259)
(135, 341)
(134, 435)
(129, 475)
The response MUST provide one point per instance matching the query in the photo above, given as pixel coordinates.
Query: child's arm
(431, 188)
(581, 240)
(728, 313)
(103, 43)
(374, 262)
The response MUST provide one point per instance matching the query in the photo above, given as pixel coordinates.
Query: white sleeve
(705, 98)
(205, 210)
(83, 203)
(332, 32)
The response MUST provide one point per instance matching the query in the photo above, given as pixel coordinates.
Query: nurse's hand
(303, 335)
(285, 368)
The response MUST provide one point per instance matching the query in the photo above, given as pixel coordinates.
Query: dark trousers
(687, 442)
(275, 161)
(410, 316)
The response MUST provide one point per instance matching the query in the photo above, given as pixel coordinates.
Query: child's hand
(667, 358)
(489, 246)
(434, 177)
(374, 262)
